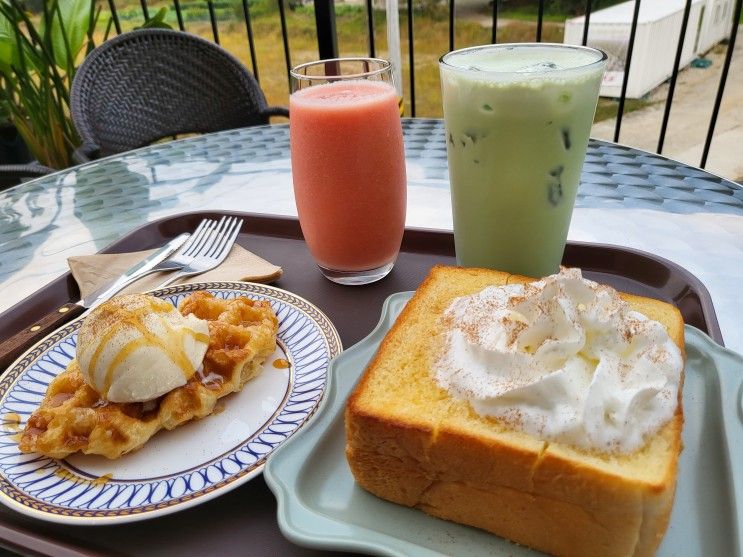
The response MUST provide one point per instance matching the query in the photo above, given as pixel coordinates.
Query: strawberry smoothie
(348, 166)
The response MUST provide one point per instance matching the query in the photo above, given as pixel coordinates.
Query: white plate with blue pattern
(175, 469)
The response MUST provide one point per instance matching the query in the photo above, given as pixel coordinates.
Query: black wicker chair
(155, 83)
(13, 174)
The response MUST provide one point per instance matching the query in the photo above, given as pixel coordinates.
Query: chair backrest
(152, 83)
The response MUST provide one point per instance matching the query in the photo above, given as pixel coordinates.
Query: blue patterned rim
(58, 491)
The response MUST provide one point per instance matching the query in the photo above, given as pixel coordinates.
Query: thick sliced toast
(410, 442)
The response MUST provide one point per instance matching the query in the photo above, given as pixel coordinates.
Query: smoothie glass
(517, 118)
(348, 166)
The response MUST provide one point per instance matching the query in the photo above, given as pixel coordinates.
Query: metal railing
(328, 47)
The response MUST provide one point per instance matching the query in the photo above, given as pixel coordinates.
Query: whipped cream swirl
(565, 359)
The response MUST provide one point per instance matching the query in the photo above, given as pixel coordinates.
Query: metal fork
(212, 251)
(179, 259)
(191, 248)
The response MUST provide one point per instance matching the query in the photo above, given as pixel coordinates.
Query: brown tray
(244, 520)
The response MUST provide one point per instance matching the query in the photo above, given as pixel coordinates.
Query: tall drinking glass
(518, 117)
(348, 166)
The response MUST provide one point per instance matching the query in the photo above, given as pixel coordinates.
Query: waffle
(72, 416)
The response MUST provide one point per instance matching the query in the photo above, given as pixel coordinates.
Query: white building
(656, 39)
(715, 26)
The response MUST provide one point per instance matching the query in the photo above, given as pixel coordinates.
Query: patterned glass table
(627, 197)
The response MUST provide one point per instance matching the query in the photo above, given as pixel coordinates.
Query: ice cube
(566, 138)
(539, 67)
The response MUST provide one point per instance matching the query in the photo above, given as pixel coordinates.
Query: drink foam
(517, 58)
(343, 93)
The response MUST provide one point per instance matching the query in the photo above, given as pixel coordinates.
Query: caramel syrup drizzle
(12, 424)
(174, 347)
(102, 480)
(67, 475)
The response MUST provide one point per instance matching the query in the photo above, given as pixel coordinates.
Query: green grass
(430, 35)
(530, 15)
(607, 108)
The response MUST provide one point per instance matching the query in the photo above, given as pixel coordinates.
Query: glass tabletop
(627, 197)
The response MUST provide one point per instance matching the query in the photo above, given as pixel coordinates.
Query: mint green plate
(320, 506)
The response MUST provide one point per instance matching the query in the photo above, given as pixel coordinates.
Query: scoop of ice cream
(137, 347)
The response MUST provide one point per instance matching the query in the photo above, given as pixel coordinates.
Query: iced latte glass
(518, 117)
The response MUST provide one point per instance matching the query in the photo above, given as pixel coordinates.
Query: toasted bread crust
(409, 442)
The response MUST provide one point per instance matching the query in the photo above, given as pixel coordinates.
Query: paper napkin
(92, 271)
